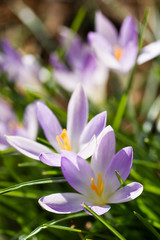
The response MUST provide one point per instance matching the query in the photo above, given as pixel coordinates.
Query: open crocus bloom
(9, 124)
(117, 52)
(79, 136)
(97, 184)
(84, 67)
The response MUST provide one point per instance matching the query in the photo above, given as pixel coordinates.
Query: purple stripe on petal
(26, 146)
(94, 127)
(127, 193)
(77, 116)
(51, 159)
(78, 174)
(49, 124)
(62, 202)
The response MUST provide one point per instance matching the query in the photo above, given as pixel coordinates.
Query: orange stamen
(118, 52)
(63, 140)
(99, 188)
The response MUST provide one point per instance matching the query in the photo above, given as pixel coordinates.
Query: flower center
(99, 187)
(118, 52)
(63, 140)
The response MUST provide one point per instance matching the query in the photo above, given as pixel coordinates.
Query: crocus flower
(23, 70)
(79, 136)
(97, 184)
(84, 67)
(119, 51)
(9, 124)
(116, 51)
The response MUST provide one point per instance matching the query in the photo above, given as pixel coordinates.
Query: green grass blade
(147, 224)
(113, 230)
(123, 101)
(34, 182)
(120, 111)
(49, 224)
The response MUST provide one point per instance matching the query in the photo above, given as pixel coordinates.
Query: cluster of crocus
(9, 124)
(84, 67)
(97, 184)
(89, 63)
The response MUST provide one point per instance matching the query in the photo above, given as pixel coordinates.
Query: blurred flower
(9, 124)
(23, 70)
(83, 68)
(79, 136)
(119, 52)
(98, 183)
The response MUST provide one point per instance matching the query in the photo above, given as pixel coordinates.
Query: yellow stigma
(63, 140)
(99, 188)
(118, 52)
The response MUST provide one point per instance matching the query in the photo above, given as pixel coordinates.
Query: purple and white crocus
(119, 51)
(96, 184)
(9, 124)
(84, 67)
(79, 136)
(23, 70)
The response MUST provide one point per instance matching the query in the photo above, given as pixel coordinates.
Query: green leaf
(113, 230)
(147, 164)
(34, 182)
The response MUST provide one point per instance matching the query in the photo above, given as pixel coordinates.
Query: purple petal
(88, 149)
(104, 152)
(56, 62)
(27, 147)
(128, 58)
(49, 124)
(30, 121)
(105, 27)
(10, 51)
(94, 127)
(128, 32)
(77, 116)
(127, 193)
(78, 174)
(100, 209)
(8, 114)
(149, 52)
(75, 49)
(103, 51)
(62, 202)
(122, 163)
(51, 159)
(67, 79)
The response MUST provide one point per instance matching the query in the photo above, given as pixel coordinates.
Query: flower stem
(113, 230)
(124, 99)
